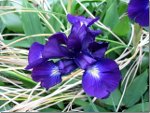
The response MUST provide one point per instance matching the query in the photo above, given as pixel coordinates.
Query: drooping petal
(98, 49)
(83, 61)
(47, 73)
(56, 46)
(66, 66)
(35, 55)
(76, 37)
(75, 19)
(35, 52)
(138, 10)
(101, 78)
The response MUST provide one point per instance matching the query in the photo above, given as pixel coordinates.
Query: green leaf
(136, 90)
(145, 63)
(122, 8)
(2, 26)
(61, 105)
(55, 24)
(12, 22)
(142, 107)
(23, 43)
(88, 107)
(7, 107)
(28, 82)
(113, 98)
(50, 110)
(123, 27)
(32, 24)
(111, 18)
(146, 96)
(92, 105)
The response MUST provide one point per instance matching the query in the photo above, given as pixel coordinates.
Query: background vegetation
(23, 22)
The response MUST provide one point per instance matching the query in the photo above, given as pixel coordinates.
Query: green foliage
(111, 16)
(113, 99)
(29, 18)
(12, 22)
(142, 107)
(32, 24)
(135, 91)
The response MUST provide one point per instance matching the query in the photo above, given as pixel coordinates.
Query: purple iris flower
(79, 50)
(138, 10)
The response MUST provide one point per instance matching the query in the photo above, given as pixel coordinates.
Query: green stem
(69, 6)
(118, 47)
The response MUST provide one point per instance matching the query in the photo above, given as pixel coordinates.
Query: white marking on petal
(55, 71)
(94, 71)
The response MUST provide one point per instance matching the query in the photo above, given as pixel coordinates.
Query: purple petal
(47, 73)
(55, 47)
(76, 37)
(35, 55)
(100, 79)
(92, 21)
(90, 37)
(75, 19)
(138, 10)
(83, 61)
(66, 66)
(143, 18)
(98, 49)
(35, 63)
(35, 52)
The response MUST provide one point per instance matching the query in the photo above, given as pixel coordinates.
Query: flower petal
(83, 61)
(92, 21)
(35, 52)
(55, 47)
(143, 18)
(66, 66)
(35, 63)
(89, 38)
(98, 49)
(138, 10)
(35, 55)
(75, 19)
(47, 73)
(76, 37)
(100, 79)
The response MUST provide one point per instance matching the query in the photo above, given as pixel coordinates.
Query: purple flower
(101, 78)
(47, 73)
(138, 10)
(79, 50)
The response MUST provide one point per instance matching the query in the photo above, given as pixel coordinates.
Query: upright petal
(47, 73)
(101, 78)
(138, 10)
(56, 47)
(83, 61)
(87, 21)
(35, 55)
(66, 66)
(97, 49)
(76, 37)
(89, 38)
